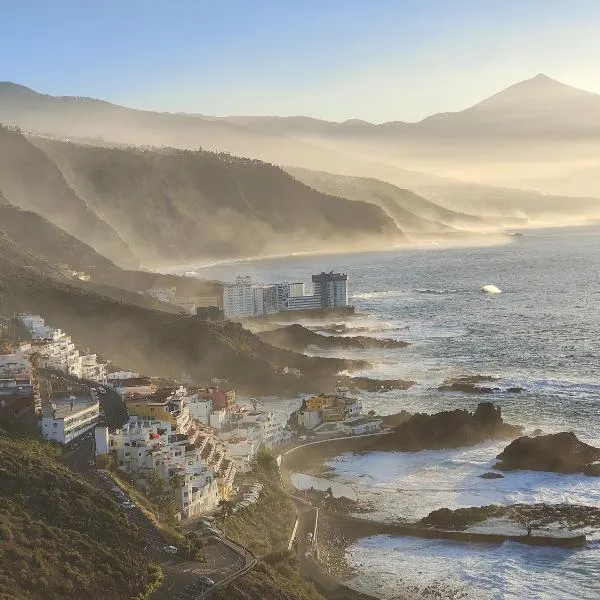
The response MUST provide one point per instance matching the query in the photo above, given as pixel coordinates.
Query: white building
(286, 290)
(59, 352)
(143, 445)
(360, 425)
(245, 299)
(66, 419)
(238, 298)
(303, 303)
(331, 288)
(201, 409)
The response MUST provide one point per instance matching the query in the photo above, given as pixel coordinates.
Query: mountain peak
(540, 89)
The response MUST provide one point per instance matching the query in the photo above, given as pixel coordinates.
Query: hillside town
(197, 440)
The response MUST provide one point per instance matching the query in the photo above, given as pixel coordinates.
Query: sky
(377, 60)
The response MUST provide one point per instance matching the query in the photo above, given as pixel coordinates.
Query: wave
(384, 294)
(435, 291)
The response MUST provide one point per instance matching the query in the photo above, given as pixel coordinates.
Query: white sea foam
(395, 567)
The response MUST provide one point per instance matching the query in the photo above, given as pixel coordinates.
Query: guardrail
(250, 563)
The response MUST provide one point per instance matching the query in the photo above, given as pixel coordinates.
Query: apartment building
(60, 353)
(202, 473)
(19, 399)
(65, 418)
(173, 409)
(245, 299)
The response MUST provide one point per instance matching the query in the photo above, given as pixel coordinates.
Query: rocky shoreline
(298, 338)
(557, 453)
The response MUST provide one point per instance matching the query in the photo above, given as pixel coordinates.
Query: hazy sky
(377, 60)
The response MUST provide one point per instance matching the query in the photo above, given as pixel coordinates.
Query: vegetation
(265, 526)
(60, 537)
(277, 581)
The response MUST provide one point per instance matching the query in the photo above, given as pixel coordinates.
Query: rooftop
(64, 406)
(357, 421)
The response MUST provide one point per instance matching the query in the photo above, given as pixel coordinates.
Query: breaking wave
(386, 294)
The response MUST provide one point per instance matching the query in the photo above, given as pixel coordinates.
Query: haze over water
(540, 333)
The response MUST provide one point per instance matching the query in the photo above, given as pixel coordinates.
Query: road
(115, 413)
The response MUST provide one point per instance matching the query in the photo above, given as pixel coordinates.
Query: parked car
(206, 581)
(170, 549)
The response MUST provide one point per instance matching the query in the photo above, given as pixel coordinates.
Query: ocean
(540, 334)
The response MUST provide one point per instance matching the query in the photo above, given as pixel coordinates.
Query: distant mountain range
(535, 134)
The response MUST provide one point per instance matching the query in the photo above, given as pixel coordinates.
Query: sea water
(540, 334)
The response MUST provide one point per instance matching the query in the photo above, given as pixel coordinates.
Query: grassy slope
(60, 538)
(265, 528)
(175, 205)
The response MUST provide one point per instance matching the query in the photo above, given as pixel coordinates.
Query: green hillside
(60, 537)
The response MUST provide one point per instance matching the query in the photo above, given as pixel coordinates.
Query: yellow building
(176, 413)
(321, 402)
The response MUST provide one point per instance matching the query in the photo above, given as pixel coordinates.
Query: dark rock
(448, 429)
(557, 453)
(298, 338)
(469, 385)
(514, 390)
(492, 475)
(537, 432)
(569, 516)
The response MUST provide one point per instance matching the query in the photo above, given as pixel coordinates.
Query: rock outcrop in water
(298, 338)
(558, 453)
(570, 516)
(448, 429)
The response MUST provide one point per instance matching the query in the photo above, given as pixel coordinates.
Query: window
(55, 425)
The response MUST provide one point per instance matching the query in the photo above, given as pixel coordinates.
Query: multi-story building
(331, 288)
(19, 400)
(92, 369)
(304, 303)
(173, 409)
(194, 466)
(133, 386)
(238, 298)
(59, 352)
(245, 299)
(329, 408)
(286, 290)
(265, 299)
(65, 418)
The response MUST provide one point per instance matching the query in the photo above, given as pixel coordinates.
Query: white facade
(67, 419)
(238, 298)
(122, 375)
(145, 445)
(309, 419)
(303, 302)
(245, 299)
(60, 353)
(359, 426)
(201, 409)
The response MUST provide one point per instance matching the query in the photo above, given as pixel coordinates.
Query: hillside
(147, 340)
(45, 240)
(182, 206)
(28, 179)
(533, 134)
(411, 213)
(60, 538)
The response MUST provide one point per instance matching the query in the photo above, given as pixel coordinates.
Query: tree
(103, 461)
(266, 461)
(176, 481)
(226, 507)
